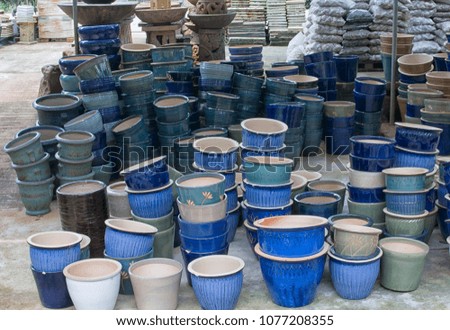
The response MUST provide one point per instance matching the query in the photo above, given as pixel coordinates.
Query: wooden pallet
(370, 66)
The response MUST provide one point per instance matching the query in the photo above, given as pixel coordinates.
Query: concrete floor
(20, 76)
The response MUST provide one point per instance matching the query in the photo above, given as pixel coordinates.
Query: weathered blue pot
(36, 196)
(291, 113)
(98, 85)
(177, 128)
(48, 137)
(136, 82)
(417, 137)
(150, 174)
(90, 122)
(171, 108)
(33, 172)
(365, 195)
(165, 54)
(130, 130)
(69, 83)
(136, 52)
(75, 145)
(405, 179)
(346, 67)
(71, 168)
(94, 68)
(370, 86)
(100, 46)
(25, 149)
(52, 289)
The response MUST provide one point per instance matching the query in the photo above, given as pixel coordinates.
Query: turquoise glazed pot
(405, 178)
(268, 170)
(171, 108)
(25, 149)
(33, 172)
(36, 196)
(48, 137)
(71, 168)
(75, 145)
(57, 109)
(201, 188)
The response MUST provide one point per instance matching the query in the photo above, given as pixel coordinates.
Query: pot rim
(134, 227)
(322, 252)
(35, 136)
(418, 126)
(40, 161)
(60, 189)
(269, 160)
(301, 183)
(316, 175)
(82, 118)
(112, 186)
(314, 221)
(155, 262)
(249, 226)
(202, 207)
(180, 180)
(403, 216)
(145, 163)
(322, 194)
(36, 183)
(328, 181)
(77, 238)
(128, 190)
(196, 166)
(74, 162)
(405, 171)
(357, 229)
(144, 256)
(398, 192)
(238, 268)
(356, 261)
(424, 247)
(88, 139)
(241, 146)
(213, 141)
(114, 272)
(282, 126)
(246, 182)
(342, 216)
(247, 205)
(168, 215)
(75, 104)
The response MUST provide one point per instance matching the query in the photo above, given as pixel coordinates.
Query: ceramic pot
(203, 213)
(48, 134)
(405, 225)
(162, 223)
(204, 244)
(68, 63)
(268, 170)
(171, 109)
(201, 188)
(372, 210)
(25, 149)
(217, 281)
(36, 196)
(405, 178)
(406, 202)
(402, 263)
(263, 133)
(53, 250)
(136, 82)
(52, 289)
(150, 174)
(362, 179)
(256, 212)
(334, 186)
(364, 164)
(93, 283)
(319, 203)
(267, 195)
(37, 171)
(118, 203)
(74, 168)
(355, 241)
(417, 137)
(57, 109)
(75, 145)
(215, 153)
(292, 282)
(348, 218)
(410, 158)
(156, 283)
(164, 243)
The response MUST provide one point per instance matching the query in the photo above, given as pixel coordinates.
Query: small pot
(36, 196)
(203, 213)
(263, 133)
(33, 172)
(257, 212)
(355, 241)
(25, 149)
(118, 203)
(267, 195)
(171, 109)
(268, 170)
(417, 137)
(58, 109)
(406, 202)
(150, 174)
(204, 244)
(90, 122)
(52, 289)
(319, 203)
(334, 186)
(201, 188)
(74, 168)
(215, 153)
(372, 147)
(405, 178)
(75, 145)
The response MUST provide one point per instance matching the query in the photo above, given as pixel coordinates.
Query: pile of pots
(68, 80)
(322, 66)
(247, 60)
(416, 101)
(136, 56)
(404, 47)
(369, 96)
(305, 84)
(34, 177)
(338, 126)
(313, 118)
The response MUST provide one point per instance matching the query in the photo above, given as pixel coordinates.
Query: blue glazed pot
(52, 289)
(318, 203)
(204, 244)
(267, 134)
(291, 236)
(136, 52)
(354, 279)
(248, 82)
(170, 129)
(25, 149)
(247, 58)
(171, 108)
(225, 101)
(268, 170)
(220, 117)
(370, 86)
(95, 32)
(100, 46)
(405, 179)
(417, 137)
(292, 282)
(215, 153)
(327, 84)
(267, 196)
(153, 203)
(72, 168)
(372, 147)
(160, 69)
(68, 63)
(280, 87)
(180, 76)
(368, 102)
(98, 85)
(130, 130)
(128, 239)
(318, 57)
(410, 158)
(281, 71)
(36, 196)
(370, 164)
(233, 218)
(346, 67)
(230, 176)
(408, 203)
(165, 54)
(69, 83)
(90, 122)
(368, 117)
(111, 114)
(218, 289)
(413, 111)
(251, 233)
(51, 251)
(232, 198)
(96, 101)
(94, 68)
(245, 49)
(202, 229)
(291, 113)
(255, 213)
(201, 188)
(313, 103)
(136, 83)
(439, 62)
(138, 99)
(366, 195)
(48, 137)
(180, 87)
(444, 148)
(33, 172)
(150, 174)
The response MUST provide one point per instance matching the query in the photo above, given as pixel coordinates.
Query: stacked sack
(423, 27)
(324, 27)
(369, 98)
(218, 154)
(68, 80)
(203, 222)
(32, 167)
(150, 197)
(265, 194)
(356, 36)
(313, 121)
(101, 39)
(249, 90)
(247, 59)
(322, 66)
(442, 20)
(369, 156)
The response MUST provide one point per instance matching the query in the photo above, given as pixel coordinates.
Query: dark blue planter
(346, 67)
(370, 86)
(57, 109)
(443, 146)
(291, 113)
(95, 32)
(410, 158)
(439, 62)
(407, 79)
(325, 69)
(364, 146)
(255, 213)
(318, 57)
(417, 138)
(321, 209)
(100, 46)
(370, 164)
(99, 85)
(338, 122)
(52, 289)
(68, 63)
(368, 102)
(413, 110)
(366, 195)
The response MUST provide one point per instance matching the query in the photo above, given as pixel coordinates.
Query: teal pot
(160, 69)
(136, 82)
(36, 196)
(163, 243)
(57, 109)
(95, 68)
(136, 52)
(171, 108)
(33, 172)
(405, 178)
(201, 188)
(126, 287)
(90, 122)
(372, 210)
(69, 83)
(405, 225)
(130, 130)
(334, 186)
(25, 149)
(48, 137)
(100, 100)
(75, 145)
(268, 170)
(177, 128)
(71, 168)
(402, 263)
(62, 180)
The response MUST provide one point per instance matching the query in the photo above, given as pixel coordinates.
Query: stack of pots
(322, 66)
(221, 109)
(219, 155)
(282, 71)
(32, 167)
(203, 216)
(416, 102)
(247, 59)
(313, 122)
(136, 56)
(439, 81)
(149, 189)
(68, 80)
(305, 84)
(369, 97)
(75, 156)
(292, 254)
(101, 39)
(355, 260)
(165, 59)
(249, 90)
(404, 46)
(436, 113)
(172, 118)
(369, 156)
(338, 126)
(346, 71)
(292, 114)
(50, 253)
(277, 90)
(127, 242)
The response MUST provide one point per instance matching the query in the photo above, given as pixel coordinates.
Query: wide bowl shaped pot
(405, 225)
(364, 164)
(355, 241)
(370, 86)
(291, 236)
(202, 229)
(268, 170)
(201, 188)
(33, 172)
(292, 282)
(318, 203)
(257, 212)
(367, 146)
(204, 244)
(263, 133)
(267, 195)
(215, 153)
(203, 213)
(25, 149)
(363, 179)
(153, 203)
(68, 63)
(405, 178)
(417, 137)
(411, 158)
(406, 202)
(75, 145)
(366, 195)
(171, 108)
(150, 174)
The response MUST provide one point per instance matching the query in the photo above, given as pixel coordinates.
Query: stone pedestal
(211, 44)
(27, 35)
(125, 31)
(159, 35)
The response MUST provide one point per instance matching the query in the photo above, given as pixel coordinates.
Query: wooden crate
(53, 24)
